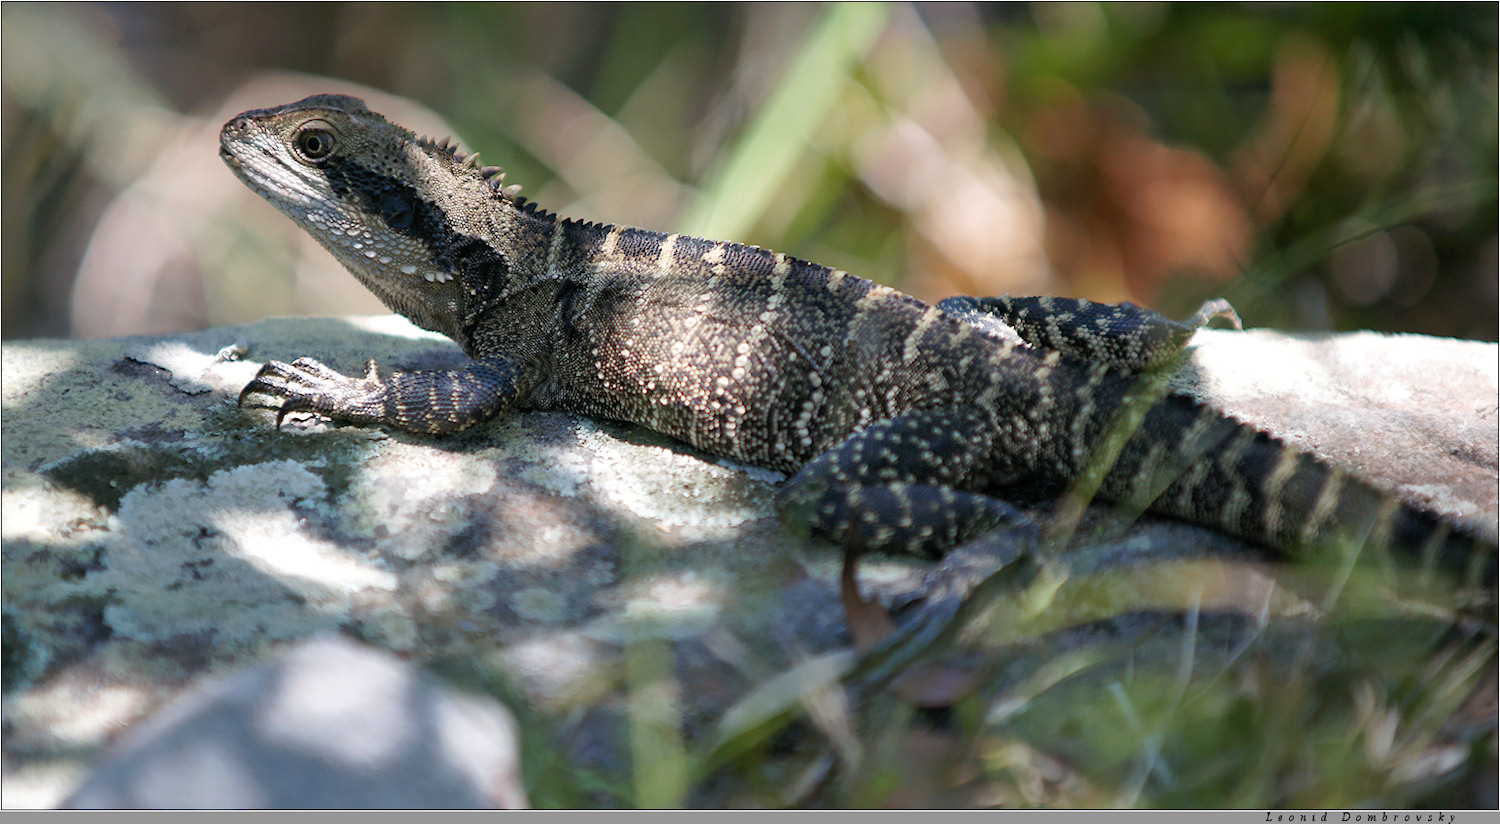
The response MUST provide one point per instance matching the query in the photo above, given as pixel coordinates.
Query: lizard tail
(1249, 484)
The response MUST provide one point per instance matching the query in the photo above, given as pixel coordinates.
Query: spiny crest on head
(494, 175)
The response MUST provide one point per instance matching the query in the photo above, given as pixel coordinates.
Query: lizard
(902, 426)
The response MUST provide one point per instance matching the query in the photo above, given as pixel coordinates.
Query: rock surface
(154, 533)
(332, 725)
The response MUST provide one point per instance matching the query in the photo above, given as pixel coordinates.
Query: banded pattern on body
(903, 426)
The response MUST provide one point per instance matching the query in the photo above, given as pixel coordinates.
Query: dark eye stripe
(407, 213)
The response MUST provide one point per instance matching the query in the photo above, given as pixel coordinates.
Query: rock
(153, 532)
(1414, 414)
(332, 725)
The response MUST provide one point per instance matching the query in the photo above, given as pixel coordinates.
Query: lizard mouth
(228, 153)
(244, 172)
(287, 192)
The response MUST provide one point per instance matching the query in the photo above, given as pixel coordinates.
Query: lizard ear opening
(397, 212)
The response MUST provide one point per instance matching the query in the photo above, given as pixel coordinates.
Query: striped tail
(1190, 461)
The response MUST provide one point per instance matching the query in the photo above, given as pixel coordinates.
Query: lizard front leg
(426, 402)
(903, 484)
(1119, 334)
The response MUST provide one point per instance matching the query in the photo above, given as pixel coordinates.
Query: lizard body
(903, 426)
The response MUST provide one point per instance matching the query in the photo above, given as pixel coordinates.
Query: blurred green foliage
(1325, 166)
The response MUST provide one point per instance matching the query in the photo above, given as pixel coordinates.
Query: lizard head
(400, 211)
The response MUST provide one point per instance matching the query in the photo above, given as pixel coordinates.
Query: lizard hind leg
(901, 485)
(1119, 334)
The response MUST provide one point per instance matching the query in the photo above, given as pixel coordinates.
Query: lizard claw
(300, 403)
(306, 385)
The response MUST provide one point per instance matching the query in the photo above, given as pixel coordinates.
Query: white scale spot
(408, 269)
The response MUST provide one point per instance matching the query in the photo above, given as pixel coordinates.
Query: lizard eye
(314, 141)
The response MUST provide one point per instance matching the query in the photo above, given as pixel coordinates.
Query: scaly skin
(904, 426)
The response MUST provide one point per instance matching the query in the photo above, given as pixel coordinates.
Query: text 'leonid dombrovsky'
(1406, 817)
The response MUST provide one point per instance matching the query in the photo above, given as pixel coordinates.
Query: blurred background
(1324, 166)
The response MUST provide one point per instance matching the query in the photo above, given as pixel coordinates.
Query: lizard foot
(306, 385)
